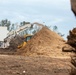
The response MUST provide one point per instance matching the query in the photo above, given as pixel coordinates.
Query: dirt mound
(72, 37)
(45, 42)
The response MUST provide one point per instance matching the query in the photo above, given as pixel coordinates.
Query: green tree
(8, 25)
(21, 24)
(24, 22)
(5, 23)
(55, 28)
(12, 27)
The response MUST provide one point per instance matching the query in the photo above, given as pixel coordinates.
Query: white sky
(49, 12)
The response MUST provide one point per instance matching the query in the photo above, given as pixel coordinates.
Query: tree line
(10, 26)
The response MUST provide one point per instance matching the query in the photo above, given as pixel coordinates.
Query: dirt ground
(40, 65)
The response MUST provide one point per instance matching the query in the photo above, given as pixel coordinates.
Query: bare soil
(40, 65)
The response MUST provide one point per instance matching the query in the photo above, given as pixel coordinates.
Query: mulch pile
(45, 42)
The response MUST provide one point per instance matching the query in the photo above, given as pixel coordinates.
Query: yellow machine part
(22, 45)
(25, 42)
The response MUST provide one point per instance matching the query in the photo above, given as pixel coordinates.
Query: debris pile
(15, 41)
(73, 61)
(72, 41)
(72, 38)
(45, 42)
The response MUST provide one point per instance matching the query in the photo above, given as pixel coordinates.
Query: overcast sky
(48, 12)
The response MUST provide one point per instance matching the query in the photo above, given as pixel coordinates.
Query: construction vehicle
(18, 38)
(26, 39)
